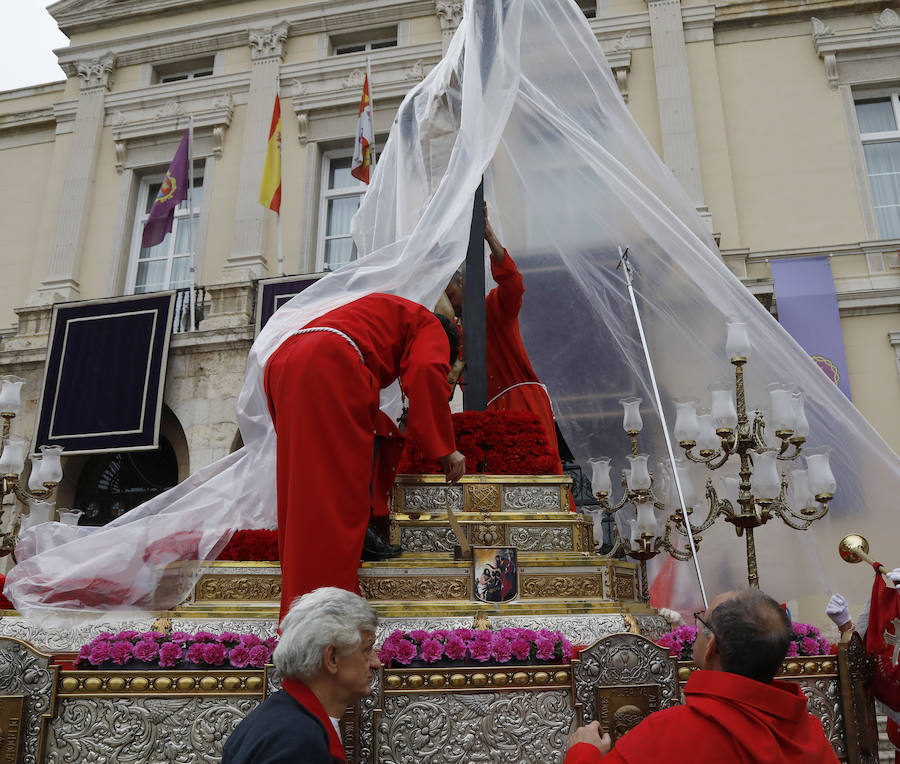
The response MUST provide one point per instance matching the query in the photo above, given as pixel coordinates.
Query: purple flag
(173, 191)
(808, 309)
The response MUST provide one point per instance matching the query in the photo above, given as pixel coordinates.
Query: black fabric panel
(275, 293)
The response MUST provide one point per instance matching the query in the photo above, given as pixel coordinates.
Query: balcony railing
(181, 321)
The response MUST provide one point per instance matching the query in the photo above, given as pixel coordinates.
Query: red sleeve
(510, 286)
(585, 753)
(423, 373)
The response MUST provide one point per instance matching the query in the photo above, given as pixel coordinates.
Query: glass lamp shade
(688, 491)
(731, 490)
(723, 410)
(765, 481)
(801, 424)
(12, 461)
(51, 471)
(646, 519)
(11, 394)
(821, 479)
(639, 474)
(737, 342)
(69, 516)
(34, 479)
(634, 535)
(707, 440)
(600, 481)
(687, 427)
(40, 511)
(801, 496)
(631, 421)
(781, 407)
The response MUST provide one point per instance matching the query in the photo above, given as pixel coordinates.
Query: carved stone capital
(268, 42)
(95, 73)
(449, 13)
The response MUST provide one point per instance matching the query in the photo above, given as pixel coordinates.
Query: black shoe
(375, 549)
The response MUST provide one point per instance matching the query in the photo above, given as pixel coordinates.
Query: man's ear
(711, 654)
(329, 659)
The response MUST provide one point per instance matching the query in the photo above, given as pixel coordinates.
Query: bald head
(752, 633)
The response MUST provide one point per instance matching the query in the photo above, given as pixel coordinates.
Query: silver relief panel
(531, 498)
(428, 539)
(431, 499)
(541, 538)
(23, 672)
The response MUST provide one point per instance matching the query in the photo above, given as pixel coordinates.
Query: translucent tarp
(525, 99)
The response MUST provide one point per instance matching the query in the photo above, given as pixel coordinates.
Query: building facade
(781, 119)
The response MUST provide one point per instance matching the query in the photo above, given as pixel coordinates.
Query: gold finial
(630, 621)
(481, 622)
(162, 624)
(854, 548)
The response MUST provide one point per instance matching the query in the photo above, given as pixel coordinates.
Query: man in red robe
(323, 386)
(734, 711)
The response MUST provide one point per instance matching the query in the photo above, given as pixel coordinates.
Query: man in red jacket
(734, 711)
(323, 386)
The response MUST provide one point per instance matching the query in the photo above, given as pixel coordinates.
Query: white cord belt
(519, 384)
(339, 333)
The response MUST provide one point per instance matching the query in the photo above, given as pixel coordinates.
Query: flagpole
(190, 219)
(280, 180)
(372, 107)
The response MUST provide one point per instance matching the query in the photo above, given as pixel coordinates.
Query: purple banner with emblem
(172, 192)
(808, 309)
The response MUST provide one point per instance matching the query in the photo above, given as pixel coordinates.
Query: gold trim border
(396, 681)
(791, 668)
(157, 683)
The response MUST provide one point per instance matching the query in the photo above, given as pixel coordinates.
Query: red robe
(324, 405)
(507, 360)
(726, 718)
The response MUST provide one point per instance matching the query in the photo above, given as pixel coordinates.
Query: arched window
(111, 484)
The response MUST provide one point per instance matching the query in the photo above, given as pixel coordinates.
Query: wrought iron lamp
(712, 437)
(46, 469)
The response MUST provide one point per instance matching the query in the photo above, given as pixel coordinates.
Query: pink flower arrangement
(401, 648)
(179, 648)
(807, 641)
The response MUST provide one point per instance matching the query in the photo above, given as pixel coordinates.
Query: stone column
(449, 13)
(676, 107)
(247, 249)
(75, 198)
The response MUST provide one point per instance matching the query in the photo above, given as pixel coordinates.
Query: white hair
(326, 616)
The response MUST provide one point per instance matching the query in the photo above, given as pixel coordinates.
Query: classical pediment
(82, 15)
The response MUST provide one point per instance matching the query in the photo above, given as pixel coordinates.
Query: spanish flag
(270, 188)
(365, 137)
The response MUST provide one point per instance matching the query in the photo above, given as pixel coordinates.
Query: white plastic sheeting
(526, 99)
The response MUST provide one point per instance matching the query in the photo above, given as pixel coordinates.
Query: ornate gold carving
(481, 621)
(469, 678)
(623, 585)
(172, 682)
(482, 498)
(541, 586)
(262, 588)
(415, 588)
(487, 534)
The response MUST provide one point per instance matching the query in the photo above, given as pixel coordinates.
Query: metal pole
(190, 221)
(474, 319)
(626, 267)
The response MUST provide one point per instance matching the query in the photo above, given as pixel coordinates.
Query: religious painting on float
(622, 707)
(496, 573)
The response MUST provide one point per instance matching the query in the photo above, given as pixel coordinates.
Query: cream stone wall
(794, 183)
(642, 101)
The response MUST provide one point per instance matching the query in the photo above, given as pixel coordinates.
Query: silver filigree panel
(824, 696)
(531, 498)
(428, 539)
(261, 627)
(624, 659)
(365, 754)
(22, 672)
(541, 538)
(125, 730)
(59, 639)
(448, 728)
(432, 498)
(653, 626)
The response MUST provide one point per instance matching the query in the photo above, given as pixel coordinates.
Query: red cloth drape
(324, 405)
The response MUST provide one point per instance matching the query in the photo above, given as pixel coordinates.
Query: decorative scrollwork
(268, 42)
(55, 639)
(415, 588)
(461, 728)
(624, 585)
(431, 498)
(25, 672)
(266, 588)
(427, 539)
(543, 586)
(531, 498)
(824, 699)
(482, 497)
(487, 534)
(557, 538)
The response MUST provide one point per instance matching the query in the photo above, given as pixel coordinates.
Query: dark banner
(103, 384)
(273, 293)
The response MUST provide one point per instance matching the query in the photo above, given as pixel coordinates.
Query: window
(341, 193)
(166, 265)
(363, 42)
(183, 70)
(588, 8)
(879, 128)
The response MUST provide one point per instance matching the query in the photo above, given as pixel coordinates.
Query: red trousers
(323, 401)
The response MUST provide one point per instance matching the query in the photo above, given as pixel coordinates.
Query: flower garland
(807, 641)
(176, 649)
(401, 648)
(251, 545)
(493, 442)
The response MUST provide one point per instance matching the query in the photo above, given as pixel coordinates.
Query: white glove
(894, 575)
(838, 610)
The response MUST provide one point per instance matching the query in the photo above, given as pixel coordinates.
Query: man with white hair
(326, 658)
